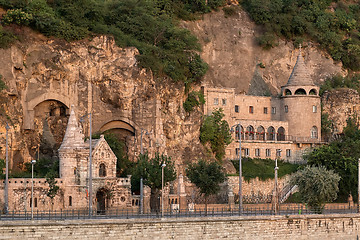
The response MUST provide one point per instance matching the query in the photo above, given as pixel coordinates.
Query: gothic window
(102, 170)
(271, 133)
(250, 133)
(300, 91)
(281, 134)
(237, 132)
(260, 133)
(314, 132)
(313, 92)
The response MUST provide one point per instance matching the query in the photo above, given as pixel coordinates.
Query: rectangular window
(216, 101)
(278, 152)
(237, 151)
(224, 101)
(70, 201)
(288, 152)
(236, 108)
(257, 152)
(314, 109)
(268, 152)
(265, 110)
(273, 110)
(286, 108)
(251, 109)
(247, 152)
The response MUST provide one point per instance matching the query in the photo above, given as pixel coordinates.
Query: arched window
(237, 133)
(271, 133)
(260, 133)
(102, 170)
(286, 108)
(314, 132)
(250, 133)
(281, 134)
(287, 92)
(300, 91)
(313, 92)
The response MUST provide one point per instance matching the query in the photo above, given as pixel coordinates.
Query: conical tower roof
(300, 75)
(74, 137)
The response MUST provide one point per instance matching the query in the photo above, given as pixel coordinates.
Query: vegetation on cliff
(215, 132)
(150, 26)
(341, 156)
(333, 24)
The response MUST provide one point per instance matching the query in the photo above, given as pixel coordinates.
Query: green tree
(2, 167)
(151, 172)
(43, 166)
(206, 176)
(53, 188)
(215, 131)
(316, 186)
(341, 156)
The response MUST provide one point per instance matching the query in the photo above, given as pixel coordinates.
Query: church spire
(73, 135)
(300, 75)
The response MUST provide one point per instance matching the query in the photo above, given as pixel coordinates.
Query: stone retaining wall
(259, 227)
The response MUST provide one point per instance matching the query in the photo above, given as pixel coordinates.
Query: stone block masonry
(328, 227)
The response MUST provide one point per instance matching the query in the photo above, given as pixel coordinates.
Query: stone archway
(101, 200)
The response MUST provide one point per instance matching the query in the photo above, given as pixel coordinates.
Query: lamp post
(359, 185)
(162, 189)
(6, 202)
(240, 167)
(32, 188)
(141, 179)
(276, 197)
(90, 161)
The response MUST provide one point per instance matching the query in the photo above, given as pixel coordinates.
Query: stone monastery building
(272, 127)
(109, 192)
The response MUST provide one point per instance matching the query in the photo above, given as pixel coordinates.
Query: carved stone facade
(108, 191)
(282, 127)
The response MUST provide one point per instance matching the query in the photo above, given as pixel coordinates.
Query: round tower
(301, 104)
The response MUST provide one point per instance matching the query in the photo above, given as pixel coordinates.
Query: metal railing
(293, 209)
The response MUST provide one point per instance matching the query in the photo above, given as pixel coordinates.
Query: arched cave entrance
(101, 200)
(118, 132)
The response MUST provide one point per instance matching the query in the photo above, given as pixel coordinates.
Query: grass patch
(263, 168)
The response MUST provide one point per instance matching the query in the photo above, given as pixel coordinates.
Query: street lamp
(276, 197)
(141, 179)
(6, 205)
(162, 189)
(32, 188)
(90, 161)
(240, 167)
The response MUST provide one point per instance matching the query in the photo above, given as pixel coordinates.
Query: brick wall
(274, 227)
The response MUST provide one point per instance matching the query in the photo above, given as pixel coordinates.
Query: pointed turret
(300, 75)
(73, 136)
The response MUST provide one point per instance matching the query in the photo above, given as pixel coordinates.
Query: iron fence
(196, 212)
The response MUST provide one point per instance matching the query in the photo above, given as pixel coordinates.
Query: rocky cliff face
(235, 59)
(46, 77)
(341, 104)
